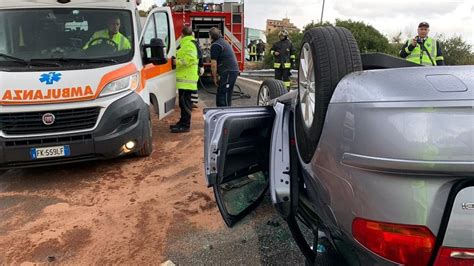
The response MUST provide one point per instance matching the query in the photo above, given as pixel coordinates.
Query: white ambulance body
(72, 89)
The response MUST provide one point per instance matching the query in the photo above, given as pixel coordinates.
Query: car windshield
(64, 37)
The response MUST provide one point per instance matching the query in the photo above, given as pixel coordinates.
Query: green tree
(368, 38)
(456, 51)
(272, 38)
(314, 25)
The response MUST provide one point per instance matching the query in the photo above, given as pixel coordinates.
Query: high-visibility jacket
(420, 55)
(287, 54)
(187, 61)
(253, 49)
(122, 42)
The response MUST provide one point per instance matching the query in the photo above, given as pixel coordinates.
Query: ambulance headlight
(127, 83)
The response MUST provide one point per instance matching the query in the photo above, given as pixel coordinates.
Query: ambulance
(78, 79)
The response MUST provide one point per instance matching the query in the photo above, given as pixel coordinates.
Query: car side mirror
(158, 52)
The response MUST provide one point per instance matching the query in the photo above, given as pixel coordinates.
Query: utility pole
(322, 12)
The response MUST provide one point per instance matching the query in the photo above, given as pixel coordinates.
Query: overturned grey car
(373, 151)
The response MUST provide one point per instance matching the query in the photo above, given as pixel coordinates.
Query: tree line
(456, 51)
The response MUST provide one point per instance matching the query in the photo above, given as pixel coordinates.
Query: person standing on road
(252, 51)
(186, 79)
(284, 57)
(260, 50)
(422, 49)
(225, 69)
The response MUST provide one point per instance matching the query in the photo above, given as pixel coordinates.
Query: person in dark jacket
(252, 51)
(422, 49)
(284, 57)
(260, 50)
(224, 66)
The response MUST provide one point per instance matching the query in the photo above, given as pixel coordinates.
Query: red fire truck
(227, 16)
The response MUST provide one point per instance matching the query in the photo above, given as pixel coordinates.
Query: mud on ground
(133, 210)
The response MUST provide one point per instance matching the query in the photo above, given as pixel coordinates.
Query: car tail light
(405, 244)
(455, 257)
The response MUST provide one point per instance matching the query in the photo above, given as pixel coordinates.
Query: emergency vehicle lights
(405, 244)
(127, 83)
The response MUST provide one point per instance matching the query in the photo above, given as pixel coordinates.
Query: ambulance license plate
(50, 152)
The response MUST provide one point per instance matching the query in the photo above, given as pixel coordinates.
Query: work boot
(180, 129)
(175, 126)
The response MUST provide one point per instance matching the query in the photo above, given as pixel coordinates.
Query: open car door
(237, 152)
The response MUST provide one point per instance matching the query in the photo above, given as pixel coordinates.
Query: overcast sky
(448, 17)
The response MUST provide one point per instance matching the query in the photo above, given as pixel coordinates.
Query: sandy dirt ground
(133, 210)
(108, 212)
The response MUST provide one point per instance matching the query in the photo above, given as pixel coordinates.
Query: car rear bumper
(124, 120)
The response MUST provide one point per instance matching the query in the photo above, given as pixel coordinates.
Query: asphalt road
(245, 93)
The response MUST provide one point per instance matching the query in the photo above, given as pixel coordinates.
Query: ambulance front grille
(28, 123)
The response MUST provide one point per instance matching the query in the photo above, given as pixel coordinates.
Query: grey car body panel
(392, 148)
(406, 85)
(214, 120)
(394, 144)
(460, 230)
(280, 156)
(427, 132)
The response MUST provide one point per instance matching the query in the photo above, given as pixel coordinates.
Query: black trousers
(186, 106)
(284, 75)
(226, 89)
(253, 58)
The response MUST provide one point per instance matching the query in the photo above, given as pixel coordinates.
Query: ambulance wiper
(85, 60)
(14, 59)
(28, 63)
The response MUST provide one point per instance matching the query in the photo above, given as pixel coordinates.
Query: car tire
(327, 55)
(269, 90)
(147, 147)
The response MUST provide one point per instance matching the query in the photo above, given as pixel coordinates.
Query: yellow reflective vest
(420, 56)
(122, 42)
(187, 65)
(253, 49)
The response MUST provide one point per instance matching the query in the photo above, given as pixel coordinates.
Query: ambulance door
(160, 80)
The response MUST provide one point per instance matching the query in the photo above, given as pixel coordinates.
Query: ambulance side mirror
(158, 52)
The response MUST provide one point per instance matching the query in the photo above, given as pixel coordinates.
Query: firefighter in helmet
(284, 55)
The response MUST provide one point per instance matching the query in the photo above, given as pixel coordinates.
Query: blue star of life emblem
(50, 78)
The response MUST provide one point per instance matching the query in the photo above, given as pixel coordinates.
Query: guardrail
(264, 73)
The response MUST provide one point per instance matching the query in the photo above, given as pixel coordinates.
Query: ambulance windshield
(64, 37)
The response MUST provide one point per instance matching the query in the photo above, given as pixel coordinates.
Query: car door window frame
(166, 40)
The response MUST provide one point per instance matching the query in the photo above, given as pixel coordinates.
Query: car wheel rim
(307, 85)
(264, 96)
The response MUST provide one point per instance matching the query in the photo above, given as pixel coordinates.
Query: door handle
(173, 62)
(462, 255)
